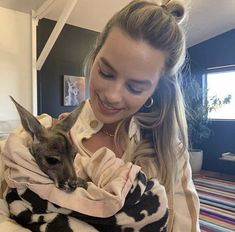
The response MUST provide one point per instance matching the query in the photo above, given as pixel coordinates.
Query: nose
(114, 93)
(67, 185)
(72, 184)
(78, 182)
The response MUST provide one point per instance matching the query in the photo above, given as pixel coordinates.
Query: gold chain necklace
(107, 133)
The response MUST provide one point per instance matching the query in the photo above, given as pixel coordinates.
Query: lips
(106, 109)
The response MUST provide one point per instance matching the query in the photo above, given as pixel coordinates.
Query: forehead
(134, 58)
(57, 141)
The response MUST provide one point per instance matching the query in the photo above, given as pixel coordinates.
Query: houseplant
(197, 108)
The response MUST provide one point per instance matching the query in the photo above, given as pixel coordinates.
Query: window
(221, 84)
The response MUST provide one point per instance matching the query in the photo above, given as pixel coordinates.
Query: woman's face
(123, 76)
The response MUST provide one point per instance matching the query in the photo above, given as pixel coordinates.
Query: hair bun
(176, 9)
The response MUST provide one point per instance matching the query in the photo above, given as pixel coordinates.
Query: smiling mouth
(107, 109)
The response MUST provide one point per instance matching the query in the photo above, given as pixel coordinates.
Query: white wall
(15, 62)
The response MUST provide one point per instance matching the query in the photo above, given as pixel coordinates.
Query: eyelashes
(129, 86)
(105, 75)
(134, 90)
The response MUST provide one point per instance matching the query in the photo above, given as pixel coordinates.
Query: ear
(29, 122)
(67, 123)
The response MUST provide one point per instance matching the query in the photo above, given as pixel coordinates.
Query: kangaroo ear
(29, 122)
(67, 123)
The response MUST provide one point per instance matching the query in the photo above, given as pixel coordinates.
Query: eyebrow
(142, 82)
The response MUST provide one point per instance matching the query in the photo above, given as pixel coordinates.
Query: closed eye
(134, 90)
(105, 75)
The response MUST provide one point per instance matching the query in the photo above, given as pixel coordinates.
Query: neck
(107, 133)
(109, 129)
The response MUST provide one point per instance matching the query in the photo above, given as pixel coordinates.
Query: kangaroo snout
(71, 184)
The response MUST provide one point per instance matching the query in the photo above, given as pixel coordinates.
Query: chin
(107, 119)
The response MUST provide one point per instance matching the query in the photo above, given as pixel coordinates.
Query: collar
(87, 119)
(87, 123)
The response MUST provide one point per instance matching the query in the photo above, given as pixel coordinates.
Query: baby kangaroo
(53, 149)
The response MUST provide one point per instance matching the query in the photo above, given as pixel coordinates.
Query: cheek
(93, 82)
(91, 88)
(136, 104)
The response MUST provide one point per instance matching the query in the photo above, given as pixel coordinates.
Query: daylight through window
(221, 84)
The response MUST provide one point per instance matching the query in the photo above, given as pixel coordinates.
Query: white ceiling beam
(55, 33)
(43, 10)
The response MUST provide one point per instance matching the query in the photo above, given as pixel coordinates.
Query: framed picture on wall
(74, 90)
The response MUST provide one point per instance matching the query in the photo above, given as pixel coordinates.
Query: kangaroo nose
(78, 182)
(67, 185)
(72, 184)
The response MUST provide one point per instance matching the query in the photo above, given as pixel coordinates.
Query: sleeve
(186, 201)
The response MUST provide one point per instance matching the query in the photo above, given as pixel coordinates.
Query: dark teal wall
(218, 51)
(66, 58)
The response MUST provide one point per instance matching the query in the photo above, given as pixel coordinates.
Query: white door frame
(38, 63)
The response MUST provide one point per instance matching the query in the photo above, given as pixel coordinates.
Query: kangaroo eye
(52, 160)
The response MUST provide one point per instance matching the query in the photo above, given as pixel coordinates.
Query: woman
(134, 70)
(136, 108)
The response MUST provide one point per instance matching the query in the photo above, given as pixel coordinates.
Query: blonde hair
(165, 121)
